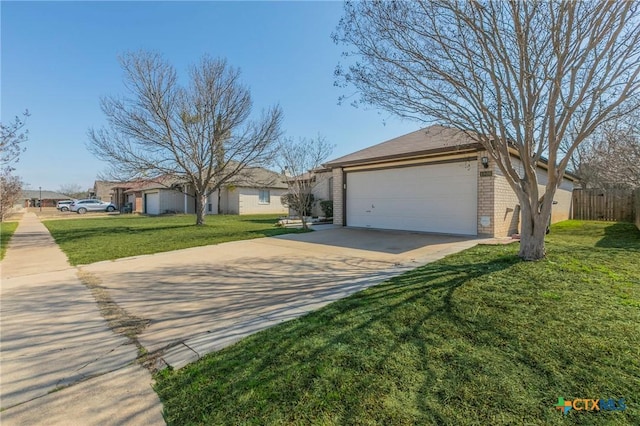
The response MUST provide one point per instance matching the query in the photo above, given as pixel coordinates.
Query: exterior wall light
(485, 162)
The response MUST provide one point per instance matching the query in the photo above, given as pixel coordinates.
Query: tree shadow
(284, 363)
(621, 235)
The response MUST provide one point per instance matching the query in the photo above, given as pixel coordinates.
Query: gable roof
(254, 177)
(430, 140)
(31, 194)
(258, 177)
(162, 182)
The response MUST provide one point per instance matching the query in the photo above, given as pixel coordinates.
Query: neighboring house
(321, 188)
(30, 198)
(157, 196)
(431, 180)
(161, 198)
(127, 196)
(256, 191)
(102, 190)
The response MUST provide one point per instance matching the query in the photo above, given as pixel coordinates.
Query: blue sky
(59, 58)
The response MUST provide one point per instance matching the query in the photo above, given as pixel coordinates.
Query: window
(264, 197)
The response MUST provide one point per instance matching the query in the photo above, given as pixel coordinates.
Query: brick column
(338, 196)
(486, 220)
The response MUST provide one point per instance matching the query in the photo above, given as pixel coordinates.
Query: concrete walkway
(60, 363)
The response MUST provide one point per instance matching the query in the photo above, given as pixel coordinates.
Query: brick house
(102, 190)
(435, 179)
(34, 197)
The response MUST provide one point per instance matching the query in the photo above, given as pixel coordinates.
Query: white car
(83, 206)
(63, 205)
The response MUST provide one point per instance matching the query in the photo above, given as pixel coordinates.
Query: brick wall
(338, 202)
(498, 214)
(506, 215)
(506, 208)
(486, 220)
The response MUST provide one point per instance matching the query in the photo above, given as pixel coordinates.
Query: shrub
(327, 207)
(295, 201)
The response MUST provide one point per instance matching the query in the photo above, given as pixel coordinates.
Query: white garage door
(152, 203)
(435, 198)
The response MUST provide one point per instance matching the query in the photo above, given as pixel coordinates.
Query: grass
(6, 231)
(107, 238)
(478, 338)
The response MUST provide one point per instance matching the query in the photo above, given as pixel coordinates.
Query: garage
(427, 198)
(152, 203)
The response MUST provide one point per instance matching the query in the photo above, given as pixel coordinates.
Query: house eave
(460, 149)
(544, 163)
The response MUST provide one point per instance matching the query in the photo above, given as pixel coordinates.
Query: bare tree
(12, 136)
(521, 77)
(300, 160)
(200, 134)
(10, 190)
(610, 158)
(73, 190)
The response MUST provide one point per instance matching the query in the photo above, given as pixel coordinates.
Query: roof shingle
(430, 139)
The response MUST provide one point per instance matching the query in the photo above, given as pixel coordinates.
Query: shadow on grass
(467, 340)
(334, 365)
(620, 235)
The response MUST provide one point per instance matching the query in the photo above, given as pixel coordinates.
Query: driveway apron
(60, 363)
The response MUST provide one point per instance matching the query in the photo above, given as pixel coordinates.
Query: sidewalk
(60, 363)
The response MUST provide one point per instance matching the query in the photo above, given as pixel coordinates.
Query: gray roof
(163, 182)
(253, 177)
(258, 177)
(31, 194)
(429, 140)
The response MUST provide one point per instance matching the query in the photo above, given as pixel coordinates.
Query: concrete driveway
(201, 299)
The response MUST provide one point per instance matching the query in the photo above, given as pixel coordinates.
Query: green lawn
(106, 238)
(478, 338)
(6, 231)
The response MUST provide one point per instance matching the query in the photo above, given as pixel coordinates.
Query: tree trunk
(304, 222)
(219, 197)
(532, 231)
(201, 205)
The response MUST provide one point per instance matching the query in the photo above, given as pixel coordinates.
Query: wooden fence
(598, 204)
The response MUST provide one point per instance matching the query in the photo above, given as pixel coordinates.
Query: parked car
(83, 206)
(63, 205)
